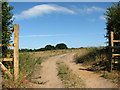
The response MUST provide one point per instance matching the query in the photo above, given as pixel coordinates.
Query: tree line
(47, 47)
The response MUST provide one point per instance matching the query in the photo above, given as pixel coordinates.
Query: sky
(77, 24)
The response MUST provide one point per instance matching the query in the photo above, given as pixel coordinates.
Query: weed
(105, 76)
(68, 78)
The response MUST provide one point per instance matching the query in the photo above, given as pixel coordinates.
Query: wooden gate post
(16, 51)
(112, 50)
(112, 54)
(119, 72)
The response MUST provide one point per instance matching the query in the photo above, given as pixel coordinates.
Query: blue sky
(78, 24)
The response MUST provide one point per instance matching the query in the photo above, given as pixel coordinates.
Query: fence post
(119, 72)
(16, 51)
(111, 44)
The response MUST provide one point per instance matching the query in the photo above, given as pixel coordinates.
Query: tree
(61, 46)
(41, 49)
(49, 47)
(6, 26)
(113, 20)
(113, 23)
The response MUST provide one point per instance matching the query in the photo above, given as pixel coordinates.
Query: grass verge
(69, 79)
(28, 62)
(96, 60)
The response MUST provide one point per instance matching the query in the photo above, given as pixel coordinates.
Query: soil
(90, 79)
(47, 76)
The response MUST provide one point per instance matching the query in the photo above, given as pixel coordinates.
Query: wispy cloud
(43, 35)
(102, 17)
(39, 10)
(92, 20)
(88, 10)
(94, 8)
(42, 9)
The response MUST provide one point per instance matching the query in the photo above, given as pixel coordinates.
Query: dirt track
(48, 74)
(49, 78)
(90, 79)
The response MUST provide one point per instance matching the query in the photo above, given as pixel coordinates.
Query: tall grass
(67, 77)
(27, 64)
(96, 59)
(28, 61)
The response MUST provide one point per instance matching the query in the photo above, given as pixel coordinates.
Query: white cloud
(94, 8)
(102, 17)
(42, 9)
(89, 10)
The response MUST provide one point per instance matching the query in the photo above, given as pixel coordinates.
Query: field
(28, 62)
(93, 59)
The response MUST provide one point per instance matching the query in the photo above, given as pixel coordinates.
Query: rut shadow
(86, 69)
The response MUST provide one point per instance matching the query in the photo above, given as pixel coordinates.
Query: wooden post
(111, 44)
(112, 38)
(0, 78)
(119, 72)
(6, 71)
(16, 51)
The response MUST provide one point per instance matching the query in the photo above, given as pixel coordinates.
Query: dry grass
(46, 54)
(95, 59)
(69, 79)
(28, 61)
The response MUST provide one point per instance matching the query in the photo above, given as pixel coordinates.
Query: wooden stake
(110, 50)
(6, 59)
(6, 71)
(119, 73)
(0, 78)
(16, 51)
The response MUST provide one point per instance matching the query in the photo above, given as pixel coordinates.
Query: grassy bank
(28, 61)
(96, 60)
(92, 56)
(27, 64)
(69, 79)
